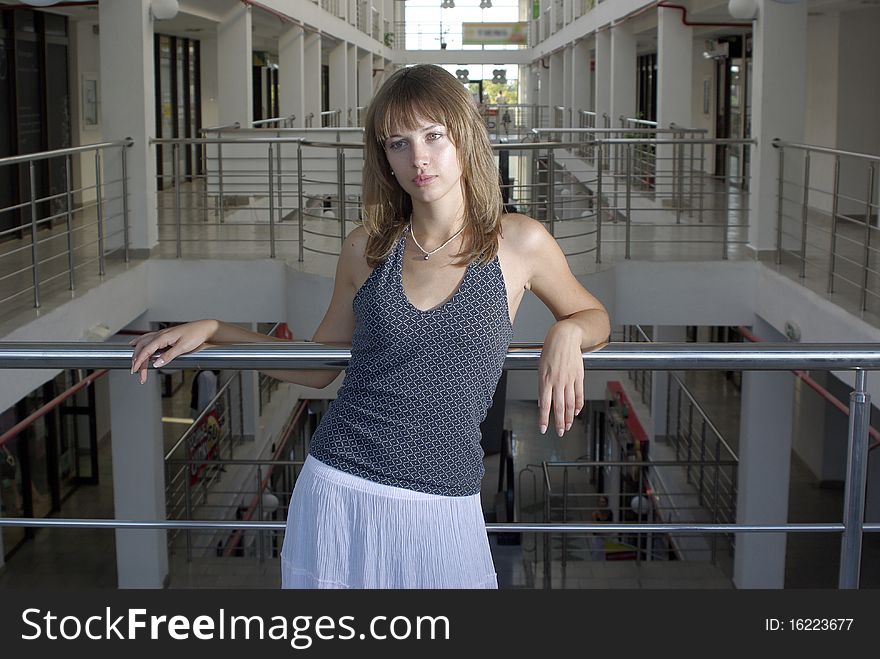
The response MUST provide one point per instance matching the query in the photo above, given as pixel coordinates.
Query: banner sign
(494, 34)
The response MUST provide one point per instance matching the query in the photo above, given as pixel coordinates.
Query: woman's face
(424, 162)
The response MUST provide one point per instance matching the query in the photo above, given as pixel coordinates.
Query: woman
(426, 293)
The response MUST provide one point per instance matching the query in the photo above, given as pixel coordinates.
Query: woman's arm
(581, 323)
(336, 328)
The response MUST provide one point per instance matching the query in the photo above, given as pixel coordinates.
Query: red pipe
(51, 405)
(818, 388)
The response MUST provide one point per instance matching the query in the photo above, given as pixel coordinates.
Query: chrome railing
(827, 220)
(275, 122)
(291, 188)
(763, 356)
(190, 470)
(55, 234)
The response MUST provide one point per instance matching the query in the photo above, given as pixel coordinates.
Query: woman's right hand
(168, 343)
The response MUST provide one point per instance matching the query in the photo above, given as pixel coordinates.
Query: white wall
(208, 54)
(704, 71)
(821, 109)
(84, 60)
(858, 99)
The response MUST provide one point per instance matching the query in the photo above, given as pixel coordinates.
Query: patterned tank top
(419, 383)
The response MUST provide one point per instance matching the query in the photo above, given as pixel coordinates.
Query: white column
(623, 72)
(291, 63)
(234, 62)
(567, 87)
(581, 80)
(128, 110)
(138, 477)
(660, 413)
(675, 59)
(557, 83)
(312, 78)
(339, 79)
(545, 114)
(603, 77)
(778, 93)
(351, 76)
(763, 473)
(674, 69)
(364, 80)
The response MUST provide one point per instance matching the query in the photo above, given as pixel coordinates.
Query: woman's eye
(395, 145)
(438, 136)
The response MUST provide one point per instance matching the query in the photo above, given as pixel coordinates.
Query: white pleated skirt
(344, 531)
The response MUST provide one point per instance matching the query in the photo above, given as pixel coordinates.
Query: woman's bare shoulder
(522, 233)
(353, 259)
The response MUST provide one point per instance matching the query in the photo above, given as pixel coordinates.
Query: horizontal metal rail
(45, 155)
(521, 356)
(518, 527)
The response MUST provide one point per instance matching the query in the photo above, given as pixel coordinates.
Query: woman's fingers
(544, 401)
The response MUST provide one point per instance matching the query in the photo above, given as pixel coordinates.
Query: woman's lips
(422, 181)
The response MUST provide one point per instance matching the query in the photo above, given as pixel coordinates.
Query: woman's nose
(420, 157)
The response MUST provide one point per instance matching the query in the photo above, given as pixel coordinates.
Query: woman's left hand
(561, 376)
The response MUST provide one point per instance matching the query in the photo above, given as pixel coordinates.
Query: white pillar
(234, 62)
(557, 83)
(660, 412)
(128, 110)
(312, 78)
(291, 90)
(545, 115)
(778, 94)
(623, 72)
(603, 77)
(763, 473)
(138, 478)
(581, 80)
(364, 81)
(339, 79)
(568, 88)
(675, 59)
(351, 76)
(674, 69)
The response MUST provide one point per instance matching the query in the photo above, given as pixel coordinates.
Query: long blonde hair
(426, 91)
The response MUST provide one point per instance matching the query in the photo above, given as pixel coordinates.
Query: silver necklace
(428, 254)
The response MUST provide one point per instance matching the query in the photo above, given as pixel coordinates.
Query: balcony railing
(627, 356)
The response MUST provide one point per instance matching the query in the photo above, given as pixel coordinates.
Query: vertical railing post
(564, 517)
(240, 407)
(804, 207)
(175, 170)
(187, 501)
(779, 193)
(551, 192)
(279, 175)
(35, 266)
(299, 195)
(340, 193)
(125, 220)
(678, 154)
(598, 203)
(69, 199)
(100, 210)
(702, 460)
(834, 208)
(702, 175)
(869, 211)
(220, 204)
(856, 473)
(271, 201)
(628, 199)
(715, 500)
(260, 510)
